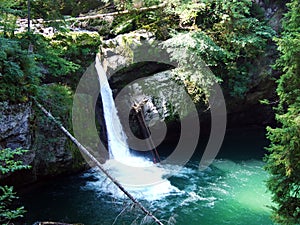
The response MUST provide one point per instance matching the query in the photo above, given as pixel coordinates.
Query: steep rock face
(249, 110)
(49, 152)
(15, 129)
(52, 154)
(273, 11)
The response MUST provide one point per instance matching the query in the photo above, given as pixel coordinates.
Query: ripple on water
(232, 190)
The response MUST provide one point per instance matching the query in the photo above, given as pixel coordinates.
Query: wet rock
(118, 52)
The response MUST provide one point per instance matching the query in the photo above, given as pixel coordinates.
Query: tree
(19, 72)
(8, 163)
(9, 13)
(229, 40)
(283, 161)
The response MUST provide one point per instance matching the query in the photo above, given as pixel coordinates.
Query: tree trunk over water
(97, 163)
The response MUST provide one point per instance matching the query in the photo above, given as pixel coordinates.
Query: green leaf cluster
(6, 199)
(19, 73)
(283, 161)
(63, 55)
(9, 12)
(133, 4)
(66, 54)
(9, 163)
(224, 35)
(50, 56)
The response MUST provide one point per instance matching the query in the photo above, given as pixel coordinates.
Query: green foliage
(59, 56)
(8, 15)
(194, 52)
(226, 38)
(6, 198)
(186, 10)
(46, 9)
(65, 54)
(76, 46)
(133, 4)
(50, 57)
(19, 73)
(283, 161)
(77, 50)
(156, 21)
(58, 99)
(8, 163)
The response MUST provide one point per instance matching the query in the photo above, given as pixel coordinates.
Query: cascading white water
(117, 143)
(141, 177)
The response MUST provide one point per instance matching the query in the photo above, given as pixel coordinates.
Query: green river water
(230, 191)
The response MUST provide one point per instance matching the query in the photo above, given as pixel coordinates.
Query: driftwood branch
(97, 163)
(120, 13)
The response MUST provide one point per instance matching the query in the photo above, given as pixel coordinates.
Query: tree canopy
(283, 161)
(228, 37)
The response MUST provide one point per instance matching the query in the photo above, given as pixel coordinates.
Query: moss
(78, 160)
(123, 27)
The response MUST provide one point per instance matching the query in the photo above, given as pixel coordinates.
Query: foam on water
(139, 176)
(208, 186)
(142, 182)
(225, 181)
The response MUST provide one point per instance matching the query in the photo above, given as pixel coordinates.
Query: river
(230, 191)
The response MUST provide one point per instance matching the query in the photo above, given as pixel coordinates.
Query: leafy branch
(9, 163)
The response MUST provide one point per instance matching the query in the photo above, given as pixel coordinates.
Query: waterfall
(141, 177)
(117, 140)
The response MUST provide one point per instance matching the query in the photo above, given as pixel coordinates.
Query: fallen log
(97, 163)
(119, 13)
(55, 223)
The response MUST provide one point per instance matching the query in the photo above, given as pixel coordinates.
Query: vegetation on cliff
(43, 67)
(229, 41)
(230, 37)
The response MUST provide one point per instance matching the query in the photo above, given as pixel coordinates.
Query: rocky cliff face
(53, 155)
(49, 152)
(15, 125)
(15, 128)
(118, 57)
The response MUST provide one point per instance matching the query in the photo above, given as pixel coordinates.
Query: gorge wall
(50, 154)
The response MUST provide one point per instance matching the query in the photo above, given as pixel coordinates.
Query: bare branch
(123, 210)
